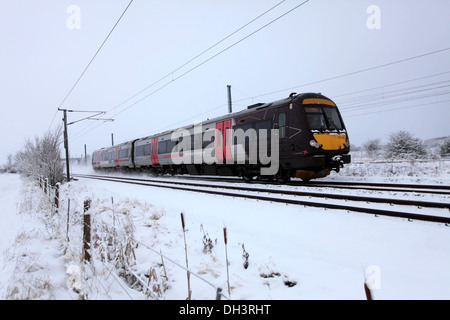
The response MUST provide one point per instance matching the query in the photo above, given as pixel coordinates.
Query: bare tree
(402, 144)
(445, 148)
(42, 157)
(9, 165)
(372, 147)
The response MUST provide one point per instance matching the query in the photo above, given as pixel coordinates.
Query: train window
(282, 119)
(123, 154)
(171, 146)
(143, 150)
(323, 118)
(282, 124)
(332, 117)
(139, 151)
(108, 156)
(166, 146)
(162, 147)
(316, 121)
(313, 110)
(147, 149)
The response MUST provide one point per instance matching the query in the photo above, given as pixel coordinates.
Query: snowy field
(275, 251)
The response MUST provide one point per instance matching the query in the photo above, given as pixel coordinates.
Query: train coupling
(337, 162)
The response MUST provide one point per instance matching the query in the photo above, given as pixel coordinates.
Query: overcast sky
(385, 63)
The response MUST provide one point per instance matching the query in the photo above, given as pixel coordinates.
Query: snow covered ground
(275, 251)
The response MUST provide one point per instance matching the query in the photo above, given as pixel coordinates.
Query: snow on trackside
(275, 251)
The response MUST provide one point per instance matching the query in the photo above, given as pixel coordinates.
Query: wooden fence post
(218, 293)
(87, 231)
(226, 259)
(57, 197)
(68, 212)
(187, 263)
(367, 291)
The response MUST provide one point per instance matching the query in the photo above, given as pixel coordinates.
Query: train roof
(251, 108)
(292, 97)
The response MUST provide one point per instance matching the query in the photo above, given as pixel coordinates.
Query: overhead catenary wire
(392, 102)
(332, 78)
(205, 61)
(338, 77)
(399, 108)
(385, 101)
(199, 64)
(95, 55)
(382, 98)
(392, 84)
(319, 81)
(395, 101)
(351, 73)
(210, 58)
(383, 93)
(396, 95)
(197, 56)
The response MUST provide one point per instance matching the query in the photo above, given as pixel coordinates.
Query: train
(301, 136)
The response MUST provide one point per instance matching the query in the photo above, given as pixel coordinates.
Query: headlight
(314, 143)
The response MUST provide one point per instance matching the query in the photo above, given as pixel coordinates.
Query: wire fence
(108, 247)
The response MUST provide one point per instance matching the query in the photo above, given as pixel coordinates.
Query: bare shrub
(245, 256)
(403, 145)
(41, 157)
(445, 148)
(207, 242)
(372, 147)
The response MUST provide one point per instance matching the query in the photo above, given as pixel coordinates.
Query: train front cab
(327, 138)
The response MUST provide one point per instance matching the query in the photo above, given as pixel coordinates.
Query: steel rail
(186, 186)
(379, 187)
(379, 184)
(421, 204)
(395, 187)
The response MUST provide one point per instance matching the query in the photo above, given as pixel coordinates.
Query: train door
(223, 141)
(282, 124)
(98, 158)
(116, 157)
(154, 152)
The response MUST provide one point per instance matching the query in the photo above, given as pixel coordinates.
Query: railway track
(429, 189)
(361, 204)
(393, 187)
(386, 185)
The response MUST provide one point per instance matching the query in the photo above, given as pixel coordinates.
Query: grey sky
(43, 52)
